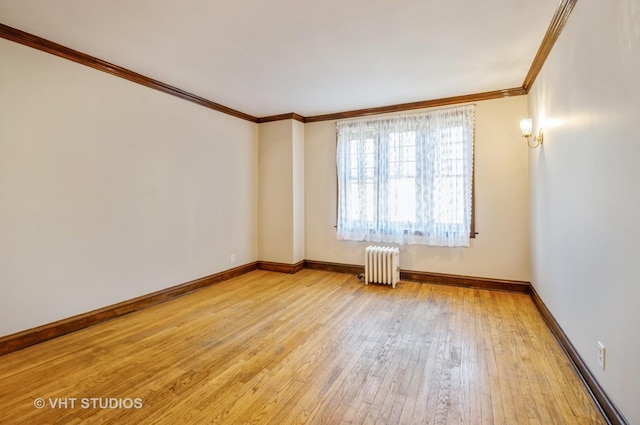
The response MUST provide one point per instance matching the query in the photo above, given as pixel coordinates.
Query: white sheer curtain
(407, 178)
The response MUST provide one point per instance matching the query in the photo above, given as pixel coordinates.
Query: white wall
(275, 206)
(298, 191)
(585, 200)
(281, 197)
(500, 250)
(110, 190)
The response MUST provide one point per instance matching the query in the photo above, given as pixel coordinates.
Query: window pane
(408, 177)
(402, 200)
(449, 200)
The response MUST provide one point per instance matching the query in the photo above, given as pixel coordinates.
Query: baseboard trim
(428, 277)
(23, 339)
(281, 267)
(333, 267)
(606, 405)
(466, 281)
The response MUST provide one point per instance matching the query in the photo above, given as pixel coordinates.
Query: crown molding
(468, 98)
(289, 116)
(553, 32)
(56, 49)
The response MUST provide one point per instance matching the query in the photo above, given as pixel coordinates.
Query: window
(407, 178)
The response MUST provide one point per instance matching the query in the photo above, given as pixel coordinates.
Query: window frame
(472, 223)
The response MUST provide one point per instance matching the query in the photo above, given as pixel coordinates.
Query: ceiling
(273, 57)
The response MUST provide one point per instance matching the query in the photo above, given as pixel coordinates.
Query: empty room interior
(319, 212)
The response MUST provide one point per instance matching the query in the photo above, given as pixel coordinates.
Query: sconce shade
(526, 127)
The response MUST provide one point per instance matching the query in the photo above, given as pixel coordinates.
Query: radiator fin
(381, 265)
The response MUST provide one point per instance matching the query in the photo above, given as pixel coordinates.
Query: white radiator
(381, 265)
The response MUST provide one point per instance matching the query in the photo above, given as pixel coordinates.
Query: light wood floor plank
(310, 348)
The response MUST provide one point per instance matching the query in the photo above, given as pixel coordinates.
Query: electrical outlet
(233, 258)
(601, 355)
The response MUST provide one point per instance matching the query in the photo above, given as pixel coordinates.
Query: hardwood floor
(314, 347)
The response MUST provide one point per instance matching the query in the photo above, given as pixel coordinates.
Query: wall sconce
(526, 128)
